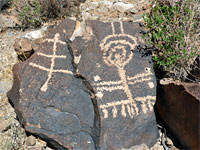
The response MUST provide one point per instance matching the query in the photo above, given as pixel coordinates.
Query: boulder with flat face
(178, 105)
(88, 87)
(121, 79)
(49, 100)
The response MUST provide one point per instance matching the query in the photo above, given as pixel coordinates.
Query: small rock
(42, 143)
(122, 7)
(108, 4)
(35, 34)
(157, 146)
(132, 10)
(47, 148)
(7, 116)
(169, 142)
(173, 148)
(5, 86)
(23, 47)
(30, 141)
(4, 125)
(34, 148)
(137, 147)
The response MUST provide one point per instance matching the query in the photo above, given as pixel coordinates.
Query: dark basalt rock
(47, 97)
(122, 80)
(178, 105)
(87, 87)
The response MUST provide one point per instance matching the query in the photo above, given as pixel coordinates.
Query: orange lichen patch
(78, 24)
(77, 31)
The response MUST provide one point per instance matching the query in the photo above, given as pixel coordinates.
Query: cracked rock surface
(87, 87)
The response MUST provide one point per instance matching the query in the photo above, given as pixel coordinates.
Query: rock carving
(88, 88)
(51, 70)
(115, 54)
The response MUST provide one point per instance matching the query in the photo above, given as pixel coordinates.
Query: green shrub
(173, 31)
(32, 13)
(59, 8)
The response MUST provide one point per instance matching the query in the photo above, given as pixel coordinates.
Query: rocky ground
(12, 135)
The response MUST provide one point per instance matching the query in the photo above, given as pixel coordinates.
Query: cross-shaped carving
(51, 70)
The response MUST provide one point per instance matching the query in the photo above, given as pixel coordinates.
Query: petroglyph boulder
(122, 80)
(88, 87)
(49, 100)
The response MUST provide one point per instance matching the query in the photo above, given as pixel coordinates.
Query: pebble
(35, 34)
(4, 125)
(173, 148)
(48, 148)
(122, 7)
(137, 147)
(5, 86)
(34, 148)
(30, 141)
(7, 117)
(133, 10)
(169, 142)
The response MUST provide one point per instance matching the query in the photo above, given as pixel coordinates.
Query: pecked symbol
(51, 70)
(117, 52)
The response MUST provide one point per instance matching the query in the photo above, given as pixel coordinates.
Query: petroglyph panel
(116, 50)
(88, 84)
(128, 107)
(49, 100)
(122, 80)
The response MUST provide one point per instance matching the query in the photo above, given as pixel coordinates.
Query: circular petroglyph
(117, 49)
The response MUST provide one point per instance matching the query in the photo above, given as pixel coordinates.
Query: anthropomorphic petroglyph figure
(117, 52)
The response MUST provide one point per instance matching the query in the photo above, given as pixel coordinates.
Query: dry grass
(33, 13)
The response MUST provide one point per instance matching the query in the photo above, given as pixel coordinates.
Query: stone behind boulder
(87, 87)
(178, 105)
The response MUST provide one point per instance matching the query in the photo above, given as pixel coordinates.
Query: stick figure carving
(117, 52)
(51, 70)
